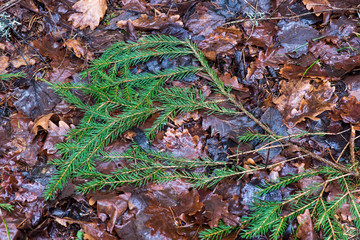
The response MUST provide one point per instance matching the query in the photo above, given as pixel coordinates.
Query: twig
(352, 146)
(333, 9)
(8, 5)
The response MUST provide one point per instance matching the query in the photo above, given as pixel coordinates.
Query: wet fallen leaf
(114, 207)
(294, 37)
(339, 29)
(216, 209)
(136, 5)
(329, 54)
(154, 23)
(306, 229)
(56, 134)
(38, 99)
(79, 49)
(349, 111)
(262, 35)
(182, 144)
(221, 41)
(204, 20)
(90, 13)
(353, 86)
(227, 126)
(22, 147)
(301, 99)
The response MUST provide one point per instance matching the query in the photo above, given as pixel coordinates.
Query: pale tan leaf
(4, 63)
(90, 13)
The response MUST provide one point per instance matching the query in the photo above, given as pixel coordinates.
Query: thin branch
(333, 9)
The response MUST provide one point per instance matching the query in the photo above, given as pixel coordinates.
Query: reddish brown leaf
(295, 72)
(159, 230)
(91, 12)
(262, 35)
(114, 207)
(221, 41)
(271, 58)
(329, 54)
(233, 82)
(189, 204)
(216, 209)
(349, 111)
(305, 230)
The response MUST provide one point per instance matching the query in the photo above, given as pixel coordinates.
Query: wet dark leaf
(37, 100)
(227, 126)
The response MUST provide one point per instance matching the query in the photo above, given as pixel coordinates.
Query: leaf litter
(295, 73)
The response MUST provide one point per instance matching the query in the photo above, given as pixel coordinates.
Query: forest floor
(294, 65)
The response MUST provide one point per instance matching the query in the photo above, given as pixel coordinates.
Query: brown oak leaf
(301, 99)
(90, 13)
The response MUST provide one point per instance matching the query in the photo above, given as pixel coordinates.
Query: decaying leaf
(221, 41)
(216, 209)
(114, 207)
(228, 127)
(136, 5)
(349, 111)
(154, 23)
(204, 21)
(182, 144)
(90, 13)
(301, 99)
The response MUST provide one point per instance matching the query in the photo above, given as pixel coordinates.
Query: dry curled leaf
(23, 60)
(90, 13)
(41, 122)
(78, 48)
